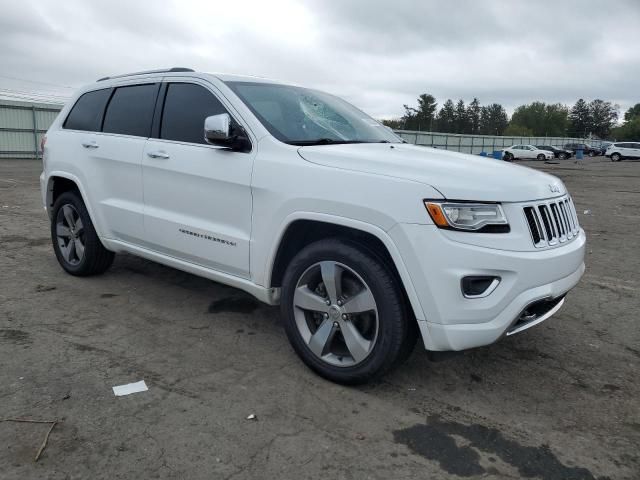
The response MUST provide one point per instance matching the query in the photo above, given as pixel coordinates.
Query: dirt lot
(561, 401)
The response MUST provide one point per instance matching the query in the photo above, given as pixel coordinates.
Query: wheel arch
(61, 182)
(301, 230)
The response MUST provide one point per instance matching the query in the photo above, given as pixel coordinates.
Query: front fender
(377, 232)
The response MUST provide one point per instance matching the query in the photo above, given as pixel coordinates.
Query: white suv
(621, 150)
(527, 151)
(295, 196)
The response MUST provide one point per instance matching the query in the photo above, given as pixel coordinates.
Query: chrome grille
(552, 222)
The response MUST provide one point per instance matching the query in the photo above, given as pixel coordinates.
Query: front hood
(458, 176)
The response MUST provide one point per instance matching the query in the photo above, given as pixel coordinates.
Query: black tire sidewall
(91, 237)
(541, 157)
(392, 318)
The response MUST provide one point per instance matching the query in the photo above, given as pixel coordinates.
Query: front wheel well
(301, 233)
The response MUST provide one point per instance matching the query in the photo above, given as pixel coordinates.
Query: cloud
(377, 54)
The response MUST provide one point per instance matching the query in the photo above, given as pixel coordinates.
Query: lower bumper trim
(534, 314)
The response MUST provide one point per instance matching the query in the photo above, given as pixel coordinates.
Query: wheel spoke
(79, 226)
(79, 246)
(308, 300)
(64, 249)
(332, 279)
(68, 215)
(321, 337)
(358, 345)
(361, 302)
(71, 248)
(62, 231)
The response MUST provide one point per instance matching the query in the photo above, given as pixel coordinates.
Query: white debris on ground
(130, 388)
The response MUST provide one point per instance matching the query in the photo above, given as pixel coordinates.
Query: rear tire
(375, 335)
(75, 241)
(592, 153)
(508, 156)
(562, 156)
(616, 157)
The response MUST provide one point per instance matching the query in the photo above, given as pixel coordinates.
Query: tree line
(597, 118)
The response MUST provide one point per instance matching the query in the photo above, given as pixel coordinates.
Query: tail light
(43, 142)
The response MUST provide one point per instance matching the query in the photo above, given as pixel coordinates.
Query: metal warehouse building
(22, 125)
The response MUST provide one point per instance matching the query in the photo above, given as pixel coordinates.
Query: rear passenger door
(197, 196)
(626, 149)
(106, 131)
(116, 160)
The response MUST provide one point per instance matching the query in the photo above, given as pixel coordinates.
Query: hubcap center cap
(335, 311)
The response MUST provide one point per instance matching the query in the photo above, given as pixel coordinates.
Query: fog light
(478, 286)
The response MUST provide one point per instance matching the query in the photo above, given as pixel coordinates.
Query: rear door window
(87, 113)
(186, 106)
(130, 110)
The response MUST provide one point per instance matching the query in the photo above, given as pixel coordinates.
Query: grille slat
(552, 222)
(567, 223)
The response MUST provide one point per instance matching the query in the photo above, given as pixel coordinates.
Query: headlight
(487, 217)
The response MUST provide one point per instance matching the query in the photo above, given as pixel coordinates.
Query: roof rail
(162, 70)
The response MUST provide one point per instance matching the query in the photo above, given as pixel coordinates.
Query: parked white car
(621, 150)
(295, 196)
(526, 152)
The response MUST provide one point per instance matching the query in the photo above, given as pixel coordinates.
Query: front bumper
(437, 263)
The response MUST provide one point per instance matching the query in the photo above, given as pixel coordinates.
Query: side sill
(270, 296)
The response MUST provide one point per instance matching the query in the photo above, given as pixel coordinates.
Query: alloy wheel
(336, 314)
(70, 234)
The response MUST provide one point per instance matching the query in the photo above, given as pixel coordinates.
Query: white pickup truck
(297, 197)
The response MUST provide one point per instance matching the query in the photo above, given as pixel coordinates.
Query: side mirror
(217, 130)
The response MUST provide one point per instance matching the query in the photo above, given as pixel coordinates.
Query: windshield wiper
(323, 141)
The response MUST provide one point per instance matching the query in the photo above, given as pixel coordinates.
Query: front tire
(508, 156)
(541, 157)
(344, 312)
(562, 156)
(75, 241)
(592, 153)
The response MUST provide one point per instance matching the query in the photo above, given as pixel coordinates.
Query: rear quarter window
(130, 110)
(87, 113)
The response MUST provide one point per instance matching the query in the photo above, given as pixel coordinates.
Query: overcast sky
(378, 54)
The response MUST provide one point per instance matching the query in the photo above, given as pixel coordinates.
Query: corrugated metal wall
(22, 125)
(482, 143)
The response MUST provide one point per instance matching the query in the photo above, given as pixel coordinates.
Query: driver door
(528, 152)
(197, 196)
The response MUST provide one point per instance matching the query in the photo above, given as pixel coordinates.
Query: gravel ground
(560, 401)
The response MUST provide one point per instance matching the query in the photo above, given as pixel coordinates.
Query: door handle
(157, 155)
(90, 145)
